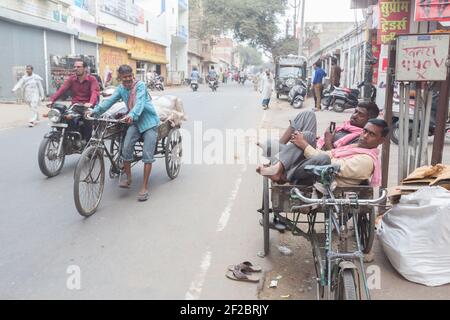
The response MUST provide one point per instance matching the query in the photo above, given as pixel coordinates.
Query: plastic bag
(415, 235)
(170, 108)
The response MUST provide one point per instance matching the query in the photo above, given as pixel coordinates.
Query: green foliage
(251, 21)
(249, 56)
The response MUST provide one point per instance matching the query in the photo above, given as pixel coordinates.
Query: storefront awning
(151, 59)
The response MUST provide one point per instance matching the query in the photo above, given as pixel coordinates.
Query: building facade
(43, 34)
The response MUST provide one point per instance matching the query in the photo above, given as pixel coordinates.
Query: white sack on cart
(415, 235)
(170, 108)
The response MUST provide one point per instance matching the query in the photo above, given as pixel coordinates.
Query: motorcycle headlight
(54, 115)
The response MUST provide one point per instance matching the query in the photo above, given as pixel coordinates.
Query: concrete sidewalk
(297, 271)
(17, 115)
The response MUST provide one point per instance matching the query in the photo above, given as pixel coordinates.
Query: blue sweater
(143, 112)
(319, 74)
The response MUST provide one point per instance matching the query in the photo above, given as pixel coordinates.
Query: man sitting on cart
(143, 121)
(358, 162)
(306, 122)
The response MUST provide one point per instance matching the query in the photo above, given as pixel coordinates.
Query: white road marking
(197, 285)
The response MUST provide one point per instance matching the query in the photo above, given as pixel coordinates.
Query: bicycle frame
(334, 261)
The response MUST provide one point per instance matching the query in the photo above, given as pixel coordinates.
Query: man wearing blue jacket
(319, 74)
(143, 121)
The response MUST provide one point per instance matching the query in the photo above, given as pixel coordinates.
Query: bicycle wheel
(173, 153)
(89, 181)
(114, 151)
(366, 230)
(346, 288)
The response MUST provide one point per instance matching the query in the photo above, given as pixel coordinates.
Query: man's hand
(127, 119)
(89, 114)
(88, 105)
(49, 104)
(299, 140)
(328, 139)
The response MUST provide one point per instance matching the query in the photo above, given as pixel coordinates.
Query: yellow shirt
(354, 170)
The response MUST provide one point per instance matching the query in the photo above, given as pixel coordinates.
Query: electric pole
(302, 30)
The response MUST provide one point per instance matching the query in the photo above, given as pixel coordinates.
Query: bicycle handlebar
(295, 193)
(104, 119)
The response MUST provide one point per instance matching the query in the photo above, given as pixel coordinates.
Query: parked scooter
(341, 99)
(156, 84)
(297, 95)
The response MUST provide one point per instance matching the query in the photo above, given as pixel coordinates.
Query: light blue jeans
(150, 139)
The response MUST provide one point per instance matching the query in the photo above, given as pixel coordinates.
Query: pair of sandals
(142, 197)
(244, 272)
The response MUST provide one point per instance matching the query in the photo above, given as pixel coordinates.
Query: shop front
(117, 49)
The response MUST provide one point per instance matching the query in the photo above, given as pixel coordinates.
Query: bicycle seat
(322, 170)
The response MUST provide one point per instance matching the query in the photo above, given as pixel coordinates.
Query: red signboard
(394, 19)
(429, 10)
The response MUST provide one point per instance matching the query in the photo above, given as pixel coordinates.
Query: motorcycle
(194, 85)
(213, 84)
(242, 80)
(156, 84)
(340, 99)
(64, 138)
(395, 136)
(297, 95)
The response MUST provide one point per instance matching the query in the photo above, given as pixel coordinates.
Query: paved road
(175, 246)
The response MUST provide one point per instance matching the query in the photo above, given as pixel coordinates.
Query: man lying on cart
(143, 121)
(359, 162)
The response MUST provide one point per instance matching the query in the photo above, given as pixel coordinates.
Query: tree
(249, 56)
(251, 21)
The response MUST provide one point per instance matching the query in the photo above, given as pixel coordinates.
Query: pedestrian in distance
(319, 74)
(267, 90)
(32, 91)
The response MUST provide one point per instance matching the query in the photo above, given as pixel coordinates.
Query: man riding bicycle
(85, 90)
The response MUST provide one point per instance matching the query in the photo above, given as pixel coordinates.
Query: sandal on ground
(143, 196)
(31, 124)
(245, 267)
(238, 275)
(125, 184)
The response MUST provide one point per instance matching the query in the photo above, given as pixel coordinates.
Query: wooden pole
(385, 153)
(441, 118)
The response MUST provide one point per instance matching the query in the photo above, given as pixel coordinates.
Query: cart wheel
(266, 216)
(366, 229)
(173, 153)
(346, 287)
(89, 181)
(115, 154)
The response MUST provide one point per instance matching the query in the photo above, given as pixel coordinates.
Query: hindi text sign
(422, 57)
(394, 19)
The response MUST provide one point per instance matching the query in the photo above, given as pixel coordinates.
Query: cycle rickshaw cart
(107, 143)
(335, 251)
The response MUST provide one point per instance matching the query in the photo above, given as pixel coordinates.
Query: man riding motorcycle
(85, 90)
(195, 75)
(212, 74)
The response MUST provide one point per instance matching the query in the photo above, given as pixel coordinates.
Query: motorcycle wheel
(338, 107)
(49, 164)
(297, 104)
(395, 136)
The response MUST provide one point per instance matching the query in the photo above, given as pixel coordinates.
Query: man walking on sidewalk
(319, 74)
(33, 92)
